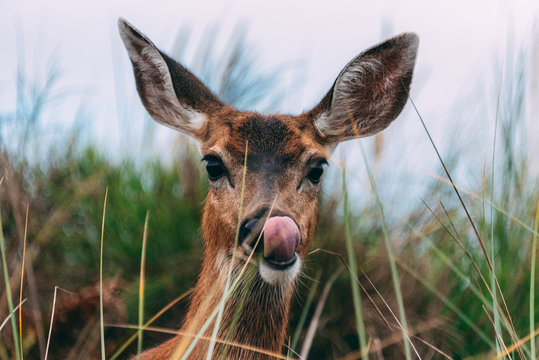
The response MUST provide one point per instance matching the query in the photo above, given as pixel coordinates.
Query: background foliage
(449, 310)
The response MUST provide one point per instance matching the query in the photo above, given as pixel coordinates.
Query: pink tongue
(281, 238)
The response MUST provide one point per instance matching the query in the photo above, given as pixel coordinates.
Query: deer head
(285, 155)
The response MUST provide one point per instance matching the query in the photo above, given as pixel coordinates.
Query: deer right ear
(171, 94)
(369, 93)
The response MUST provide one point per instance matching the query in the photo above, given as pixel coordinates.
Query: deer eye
(316, 171)
(214, 167)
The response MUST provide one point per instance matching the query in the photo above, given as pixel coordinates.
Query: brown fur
(368, 94)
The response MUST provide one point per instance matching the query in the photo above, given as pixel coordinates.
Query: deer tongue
(281, 239)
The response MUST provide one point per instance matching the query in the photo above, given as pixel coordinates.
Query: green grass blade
(497, 327)
(356, 296)
(532, 285)
(141, 285)
(393, 267)
(305, 311)
(8, 291)
(101, 321)
(447, 302)
(222, 304)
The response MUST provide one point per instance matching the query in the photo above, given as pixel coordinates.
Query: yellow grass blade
(101, 328)
(149, 322)
(208, 338)
(22, 278)
(141, 286)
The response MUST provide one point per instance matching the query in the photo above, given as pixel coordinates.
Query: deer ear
(369, 92)
(172, 95)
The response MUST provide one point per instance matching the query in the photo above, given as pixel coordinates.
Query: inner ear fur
(369, 93)
(171, 94)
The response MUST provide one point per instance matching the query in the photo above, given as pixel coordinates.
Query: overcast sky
(461, 50)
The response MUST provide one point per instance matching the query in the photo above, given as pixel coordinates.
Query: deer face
(282, 180)
(285, 155)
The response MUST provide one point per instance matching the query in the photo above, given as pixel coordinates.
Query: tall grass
(429, 263)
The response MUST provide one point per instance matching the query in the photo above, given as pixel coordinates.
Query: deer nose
(249, 232)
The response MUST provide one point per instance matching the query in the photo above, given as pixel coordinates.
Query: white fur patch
(279, 277)
(221, 261)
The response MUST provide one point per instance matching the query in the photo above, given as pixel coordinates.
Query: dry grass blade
(435, 348)
(290, 350)
(362, 352)
(52, 318)
(454, 187)
(496, 207)
(447, 302)
(37, 315)
(316, 316)
(498, 335)
(391, 312)
(458, 241)
(513, 347)
(479, 239)
(149, 322)
(395, 338)
(205, 338)
(11, 314)
(496, 307)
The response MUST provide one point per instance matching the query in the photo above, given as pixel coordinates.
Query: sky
(463, 45)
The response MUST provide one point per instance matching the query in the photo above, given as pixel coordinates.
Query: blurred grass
(439, 266)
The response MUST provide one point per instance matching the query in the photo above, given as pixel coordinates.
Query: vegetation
(445, 260)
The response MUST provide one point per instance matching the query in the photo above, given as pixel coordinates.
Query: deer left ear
(369, 93)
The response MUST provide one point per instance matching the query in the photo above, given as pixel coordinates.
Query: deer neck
(255, 314)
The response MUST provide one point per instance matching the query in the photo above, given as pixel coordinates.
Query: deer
(264, 174)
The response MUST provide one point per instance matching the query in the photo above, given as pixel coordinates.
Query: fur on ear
(369, 93)
(171, 94)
